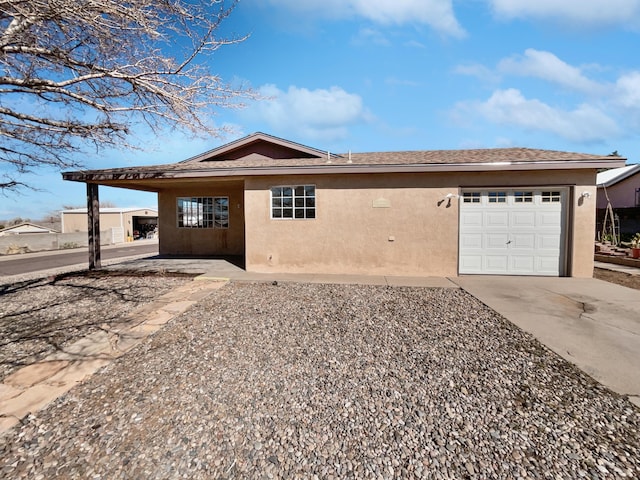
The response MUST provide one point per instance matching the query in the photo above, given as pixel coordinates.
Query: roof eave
(97, 176)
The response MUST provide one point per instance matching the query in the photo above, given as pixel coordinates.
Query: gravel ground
(332, 381)
(39, 316)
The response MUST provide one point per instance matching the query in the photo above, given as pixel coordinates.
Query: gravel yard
(39, 316)
(333, 381)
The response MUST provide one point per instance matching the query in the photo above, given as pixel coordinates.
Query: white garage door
(512, 232)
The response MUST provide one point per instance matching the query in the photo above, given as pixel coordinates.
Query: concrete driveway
(592, 323)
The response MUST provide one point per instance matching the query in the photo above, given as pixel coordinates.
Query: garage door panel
(513, 236)
(496, 263)
(523, 242)
(471, 263)
(471, 219)
(548, 265)
(549, 242)
(496, 240)
(496, 219)
(472, 240)
(522, 263)
(523, 219)
(549, 219)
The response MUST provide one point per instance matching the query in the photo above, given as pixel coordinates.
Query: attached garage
(513, 232)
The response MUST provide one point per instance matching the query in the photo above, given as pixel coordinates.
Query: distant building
(24, 228)
(622, 187)
(126, 222)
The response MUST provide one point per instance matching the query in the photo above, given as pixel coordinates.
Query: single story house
(26, 228)
(130, 222)
(621, 186)
(288, 208)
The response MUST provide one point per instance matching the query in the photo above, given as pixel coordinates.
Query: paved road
(32, 263)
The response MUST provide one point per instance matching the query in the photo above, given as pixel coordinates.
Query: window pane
(203, 212)
(497, 197)
(471, 197)
(548, 197)
(311, 213)
(523, 197)
(293, 201)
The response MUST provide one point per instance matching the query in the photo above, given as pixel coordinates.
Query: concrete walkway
(618, 268)
(33, 387)
(591, 323)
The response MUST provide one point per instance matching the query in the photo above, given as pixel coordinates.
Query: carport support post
(93, 211)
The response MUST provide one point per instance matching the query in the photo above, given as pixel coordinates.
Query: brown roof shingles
(426, 157)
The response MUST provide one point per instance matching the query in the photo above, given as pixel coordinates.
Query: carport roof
(246, 157)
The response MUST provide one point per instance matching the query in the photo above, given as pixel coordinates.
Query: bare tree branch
(78, 73)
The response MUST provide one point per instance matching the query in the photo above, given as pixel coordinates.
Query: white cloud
(479, 71)
(414, 44)
(545, 65)
(575, 12)
(627, 91)
(509, 107)
(438, 14)
(320, 114)
(368, 36)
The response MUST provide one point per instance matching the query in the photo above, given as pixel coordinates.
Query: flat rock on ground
(332, 381)
(40, 316)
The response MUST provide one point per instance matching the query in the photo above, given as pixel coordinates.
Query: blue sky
(374, 75)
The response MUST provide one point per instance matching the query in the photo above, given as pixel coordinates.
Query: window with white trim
(523, 197)
(551, 197)
(497, 197)
(471, 197)
(203, 212)
(293, 202)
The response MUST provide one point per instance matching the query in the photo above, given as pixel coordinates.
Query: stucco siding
(77, 222)
(392, 224)
(622, 194)
(201, 241)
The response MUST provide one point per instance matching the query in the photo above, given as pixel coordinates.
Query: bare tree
(76, 74)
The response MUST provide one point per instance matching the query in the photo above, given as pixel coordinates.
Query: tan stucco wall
(414, 236)
(201, 241)
(77, 222)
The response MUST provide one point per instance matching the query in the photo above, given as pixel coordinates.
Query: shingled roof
(262, 154)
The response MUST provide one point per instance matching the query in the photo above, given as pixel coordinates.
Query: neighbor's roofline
(129, 174)
(632, 170)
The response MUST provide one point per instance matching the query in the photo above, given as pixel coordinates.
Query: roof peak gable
(258, 143)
